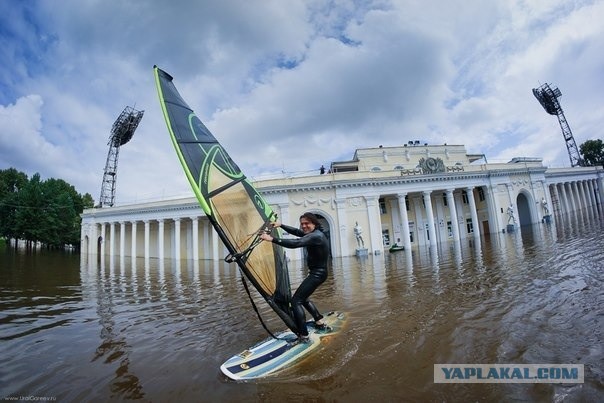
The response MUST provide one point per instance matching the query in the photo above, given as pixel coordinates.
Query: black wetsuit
(317, 250)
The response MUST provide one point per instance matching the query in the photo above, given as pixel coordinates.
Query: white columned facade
(337, 197)
(430, 216)
(402, 208)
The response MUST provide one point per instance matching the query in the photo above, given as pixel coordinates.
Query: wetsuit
(317, 253)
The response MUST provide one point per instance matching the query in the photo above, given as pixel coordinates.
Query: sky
(288, 86)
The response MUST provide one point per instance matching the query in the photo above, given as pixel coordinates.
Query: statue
(511, 215)
(544, 205)
(357, 233)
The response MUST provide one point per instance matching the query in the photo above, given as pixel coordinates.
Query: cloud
(290, 85)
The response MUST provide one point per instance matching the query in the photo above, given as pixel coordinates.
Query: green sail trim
(233, 206)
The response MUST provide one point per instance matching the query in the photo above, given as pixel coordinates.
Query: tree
(45, 211)
(592, 152)
(11, 182)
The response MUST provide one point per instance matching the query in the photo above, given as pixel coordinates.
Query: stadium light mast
(121, 133)
(548, 98)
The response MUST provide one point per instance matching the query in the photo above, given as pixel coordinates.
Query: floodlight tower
(548, 98)
(121, 133)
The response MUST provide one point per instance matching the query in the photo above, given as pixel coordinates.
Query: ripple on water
(160, 332)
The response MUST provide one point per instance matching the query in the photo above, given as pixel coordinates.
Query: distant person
(322, 169)
(317, 253)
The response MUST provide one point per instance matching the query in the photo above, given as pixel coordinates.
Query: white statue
(357, 233)
(544, 205)
(511, 214)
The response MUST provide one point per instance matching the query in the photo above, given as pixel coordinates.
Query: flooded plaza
(80, 330)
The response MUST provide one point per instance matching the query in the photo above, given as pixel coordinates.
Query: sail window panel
(193, 156)
(240, 220)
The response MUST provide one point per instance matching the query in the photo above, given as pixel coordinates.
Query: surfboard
(271, 355)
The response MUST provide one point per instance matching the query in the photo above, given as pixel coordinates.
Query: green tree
(11, 182)
(592, 152)
(31, 211)
(35, 210)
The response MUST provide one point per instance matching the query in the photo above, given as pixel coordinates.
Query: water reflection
(158, 330)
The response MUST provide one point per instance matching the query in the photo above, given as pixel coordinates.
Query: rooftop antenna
(121, 133)
(548, 98)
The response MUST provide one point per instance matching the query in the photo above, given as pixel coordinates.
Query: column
(592, 193)
(160, 239)
(575, 196)
(569, 197)
(103, 230)
(453, 214)
(558, 201)
(579, 186)
(600, 182)
(122, 238)
(295, 254)
(430, 216)
(195, 231)
(402, 208)
(215, 244)
(564, 194)
(548, 197)
(133, 237)
(472, 201)
(147, 232)
(343, 228)
(495, 210)
(177, 238)
(112, 239)
(415, 203)
(375, 223)
(585, 194)
(207, 237)
(284, 212)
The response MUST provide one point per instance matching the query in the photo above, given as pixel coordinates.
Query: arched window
(375, 169)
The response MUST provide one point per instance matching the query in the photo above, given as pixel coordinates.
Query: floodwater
(74, 330)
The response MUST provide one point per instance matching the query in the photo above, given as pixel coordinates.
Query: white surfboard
(272, 355)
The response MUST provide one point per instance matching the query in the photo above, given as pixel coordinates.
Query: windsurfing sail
(233, 206)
